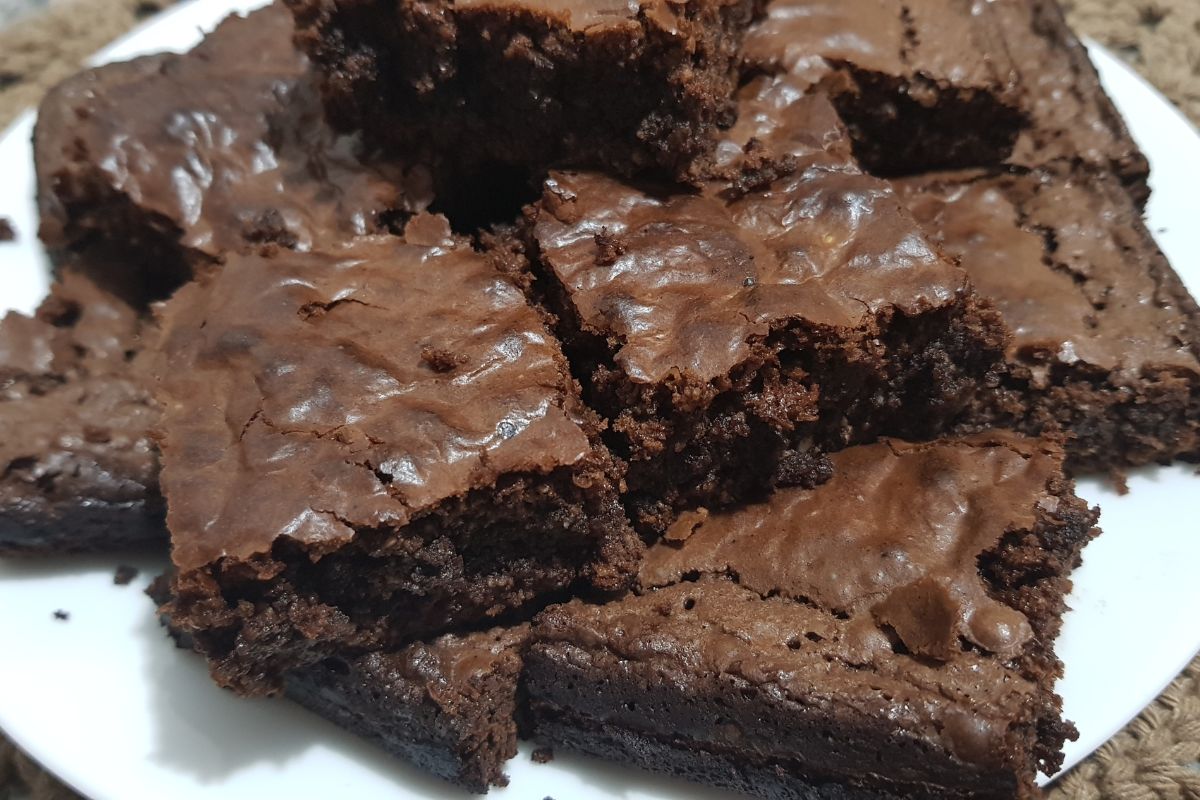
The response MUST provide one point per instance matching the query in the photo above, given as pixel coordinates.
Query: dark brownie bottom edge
(85, 528)
(1028, 570)
(468, 749)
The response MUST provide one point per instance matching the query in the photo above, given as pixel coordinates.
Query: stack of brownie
(694, 382)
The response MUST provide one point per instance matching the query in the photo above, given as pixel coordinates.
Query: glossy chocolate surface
(313, 395)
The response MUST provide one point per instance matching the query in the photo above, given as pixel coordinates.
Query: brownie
(923, 84)
(1106, 337)
(78, 470)
(629, 86)
(1072, 120)
(447, 706)
(888, 634)
(173, 161)
(372, 445)
(7, 232)
(734, 335)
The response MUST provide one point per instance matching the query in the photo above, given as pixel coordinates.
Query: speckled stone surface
(1161, 38)
(1154, 758)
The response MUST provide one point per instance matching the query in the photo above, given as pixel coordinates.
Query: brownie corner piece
(1072, 119)
(169, 162)
(921, 85)
(833, 643)
(448, 706)
(735, 334)
(627, 86)
(78, 469)
(1106, 337)
(373, 445)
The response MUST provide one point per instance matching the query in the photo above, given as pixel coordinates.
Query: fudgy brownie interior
(448, 706)
(921, 85)
(629, 86)
(1105, 335)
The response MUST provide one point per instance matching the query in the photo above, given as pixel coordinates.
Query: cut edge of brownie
(94, 527)
(248, 635)
(1027, 570)
(460, 728)
(89, 483)
(1111, 422)
(583, 99)
(81, 210)
(448, 707)
(725, 445)
(913, 119)
(897, 130)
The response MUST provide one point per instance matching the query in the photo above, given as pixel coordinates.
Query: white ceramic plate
(105, 702)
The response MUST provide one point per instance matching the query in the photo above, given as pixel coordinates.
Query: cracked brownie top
(310, 395)
(900, 615)
(1069, 265)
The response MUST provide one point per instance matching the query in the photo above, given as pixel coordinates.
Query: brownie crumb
(7, 231)
(610, 248)
(440, 360)
(124, 575)
(61, 616)
(542, 755)
(1120, 481)
(760, 167)
(804, 469)
(270, 228)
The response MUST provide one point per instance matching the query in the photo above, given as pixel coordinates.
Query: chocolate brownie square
(372, 445)
(924, 84)
(448, 706)
(888, 634)
(734, 335)
(171, 162)
(1105, 335)
(1072, 119)
(78, 469)
(629, 86)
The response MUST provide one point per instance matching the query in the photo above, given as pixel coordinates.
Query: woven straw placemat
(1155, 758)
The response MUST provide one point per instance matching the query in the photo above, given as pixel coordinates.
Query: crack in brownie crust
(78, 470)
(331, 491)
(888, 634)
(1105, 336)
(628, 86)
